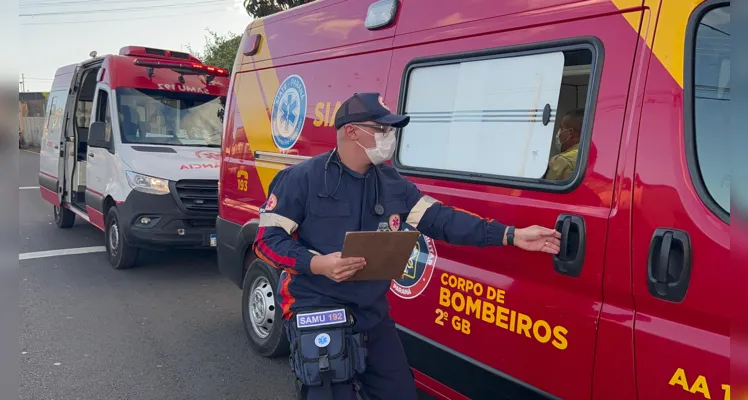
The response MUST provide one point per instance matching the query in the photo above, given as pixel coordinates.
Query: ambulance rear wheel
(121, 254)
(64, 218)
(261, 311)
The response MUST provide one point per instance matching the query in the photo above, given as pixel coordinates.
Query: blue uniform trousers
(388, 375)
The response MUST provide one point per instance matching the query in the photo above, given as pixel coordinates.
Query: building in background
(32, 108)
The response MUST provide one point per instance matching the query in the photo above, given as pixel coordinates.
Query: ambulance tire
(64, 218)
(121, 254)
(263, 319)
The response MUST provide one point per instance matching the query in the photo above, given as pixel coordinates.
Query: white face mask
(558, 141)
(385, 148)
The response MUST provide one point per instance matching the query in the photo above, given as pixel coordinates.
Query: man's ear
(350, 132)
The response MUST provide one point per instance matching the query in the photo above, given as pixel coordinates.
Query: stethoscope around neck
(378, 208)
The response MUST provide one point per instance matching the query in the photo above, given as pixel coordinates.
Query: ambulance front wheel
(121, 254)
(64, 218)
(261, 312)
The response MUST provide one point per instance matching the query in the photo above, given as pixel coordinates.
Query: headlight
(147, 184)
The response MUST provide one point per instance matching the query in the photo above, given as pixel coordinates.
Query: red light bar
(149, 52)
(182, 66)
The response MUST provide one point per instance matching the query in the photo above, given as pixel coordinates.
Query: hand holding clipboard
(386, 253)
(335, 267)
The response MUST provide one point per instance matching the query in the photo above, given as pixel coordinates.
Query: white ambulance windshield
(169, 118)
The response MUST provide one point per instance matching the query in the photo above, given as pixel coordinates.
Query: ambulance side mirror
(97, 137)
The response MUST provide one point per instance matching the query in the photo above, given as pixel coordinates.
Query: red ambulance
(633, 307)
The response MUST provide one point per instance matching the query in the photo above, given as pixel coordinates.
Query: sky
(54, 33)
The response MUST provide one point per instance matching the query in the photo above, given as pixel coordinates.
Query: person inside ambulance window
(302, 227)
(168, 118)
(561, 166)
(129, 128)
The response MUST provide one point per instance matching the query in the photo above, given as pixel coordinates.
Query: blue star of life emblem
(322, 340)
(289, 112)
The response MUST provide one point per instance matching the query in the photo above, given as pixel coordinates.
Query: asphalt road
(169, 328)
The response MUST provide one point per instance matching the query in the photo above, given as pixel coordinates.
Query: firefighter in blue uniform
(342, 337)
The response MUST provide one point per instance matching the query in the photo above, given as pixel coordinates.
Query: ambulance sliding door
(501, 323)
(682, 266)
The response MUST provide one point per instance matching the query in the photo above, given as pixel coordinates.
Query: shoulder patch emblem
(271, 203)
(394, 222)
(418, 270)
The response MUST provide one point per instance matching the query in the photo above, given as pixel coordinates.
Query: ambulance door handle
(91, 155)
(570, 259)
(669, 264)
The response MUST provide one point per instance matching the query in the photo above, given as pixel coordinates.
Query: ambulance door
(50, 163)
(681, 226)
(502, 323)
(98, 158)
(67, 147)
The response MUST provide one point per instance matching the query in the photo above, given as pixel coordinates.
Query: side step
(77, 211)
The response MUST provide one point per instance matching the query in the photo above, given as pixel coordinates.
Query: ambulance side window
(103, 114)
(507, 117)
(710, 94)
(52, 118)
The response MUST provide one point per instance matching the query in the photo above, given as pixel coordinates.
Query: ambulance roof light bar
(149, 52)
(182, 67)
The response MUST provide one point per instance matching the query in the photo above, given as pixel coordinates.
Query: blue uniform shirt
(302, 218)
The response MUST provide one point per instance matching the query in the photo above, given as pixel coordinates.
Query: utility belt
(324, 348)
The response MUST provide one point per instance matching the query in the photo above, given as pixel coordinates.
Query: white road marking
(28, 187)
(61, 252)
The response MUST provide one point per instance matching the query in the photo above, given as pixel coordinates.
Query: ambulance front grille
(198, 196)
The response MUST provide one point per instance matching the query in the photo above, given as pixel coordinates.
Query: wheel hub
(114, 238)
(262, 307)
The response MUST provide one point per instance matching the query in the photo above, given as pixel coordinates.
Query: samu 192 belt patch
(321, 318)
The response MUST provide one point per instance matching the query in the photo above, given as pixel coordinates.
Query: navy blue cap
(363, 107)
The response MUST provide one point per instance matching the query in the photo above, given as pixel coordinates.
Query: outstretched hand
(538, 238)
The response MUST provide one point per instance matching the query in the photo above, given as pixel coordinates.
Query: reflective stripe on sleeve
(418, 210)
(270, 219)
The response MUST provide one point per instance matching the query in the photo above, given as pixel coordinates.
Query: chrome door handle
(90, 155)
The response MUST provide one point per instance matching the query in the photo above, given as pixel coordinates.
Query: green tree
(220, 50)
(262, 8)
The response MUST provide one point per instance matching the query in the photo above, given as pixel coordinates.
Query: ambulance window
(103, 114)
(711, 103)
(103, 107)
(53, 112)
(510, 116)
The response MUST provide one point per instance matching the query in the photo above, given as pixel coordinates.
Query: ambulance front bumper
(156, 221)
